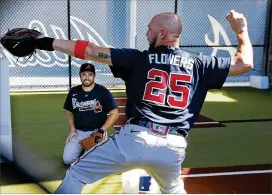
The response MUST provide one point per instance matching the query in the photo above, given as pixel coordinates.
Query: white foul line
(202, 123)
(228, 173)
(120, 98)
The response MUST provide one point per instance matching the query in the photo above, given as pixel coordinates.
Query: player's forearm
(243, 58)
(70, 121)
(114, 114)
(91, 52)
(69, 46)
(64, 46)
(84, 50)
(245, 51)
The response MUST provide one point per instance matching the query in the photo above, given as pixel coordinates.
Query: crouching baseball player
(87, 107)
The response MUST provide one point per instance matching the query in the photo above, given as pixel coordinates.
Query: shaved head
(168, 21)
(164, 29)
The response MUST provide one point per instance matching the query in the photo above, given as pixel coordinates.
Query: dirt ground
(247, 182)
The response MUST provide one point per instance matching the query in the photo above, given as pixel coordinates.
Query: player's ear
(163, 33)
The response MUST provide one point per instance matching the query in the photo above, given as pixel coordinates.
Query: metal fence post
(176, 6)
(267, 59)
(69, 37)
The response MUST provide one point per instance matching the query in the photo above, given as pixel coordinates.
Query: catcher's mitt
(92, 140)
(20, 41)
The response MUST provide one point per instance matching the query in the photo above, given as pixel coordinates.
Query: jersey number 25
(172, 81)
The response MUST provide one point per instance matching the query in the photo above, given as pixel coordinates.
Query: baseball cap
(87, 67)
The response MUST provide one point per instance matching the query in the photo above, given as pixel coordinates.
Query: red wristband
(80, 49)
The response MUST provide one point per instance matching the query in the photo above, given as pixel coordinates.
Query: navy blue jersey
(90, 109)
(167, 85)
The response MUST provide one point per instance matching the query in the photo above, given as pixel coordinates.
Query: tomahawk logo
(88, 67)
(218, 32)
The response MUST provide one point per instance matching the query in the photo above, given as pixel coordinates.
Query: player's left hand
(20, 41)
(92, 140)
(71, 135)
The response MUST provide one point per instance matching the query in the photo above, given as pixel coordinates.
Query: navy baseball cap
(87, 67)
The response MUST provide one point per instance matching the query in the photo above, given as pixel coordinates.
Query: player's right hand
(70, 136)
(237, 21)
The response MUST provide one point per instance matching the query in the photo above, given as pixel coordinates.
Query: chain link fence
(44, 70)
(123, 24)
(207, 31)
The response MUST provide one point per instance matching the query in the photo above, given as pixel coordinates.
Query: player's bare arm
(70, 120)
(31, 39)
(91, 52)
(242, 61)
(112, 117)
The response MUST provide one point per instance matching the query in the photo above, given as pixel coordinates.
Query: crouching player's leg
(99, 162)
(70, 185)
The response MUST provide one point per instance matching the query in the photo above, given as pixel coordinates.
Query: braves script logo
(87, 105)
(50, 59)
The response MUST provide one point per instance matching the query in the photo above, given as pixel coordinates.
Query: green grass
(250, 103)
(236, 144)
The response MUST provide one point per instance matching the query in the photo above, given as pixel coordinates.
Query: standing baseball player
(87, 107)
(166, 88)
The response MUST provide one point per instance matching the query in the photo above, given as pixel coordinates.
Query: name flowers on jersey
(171, 59)
(87, 105)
